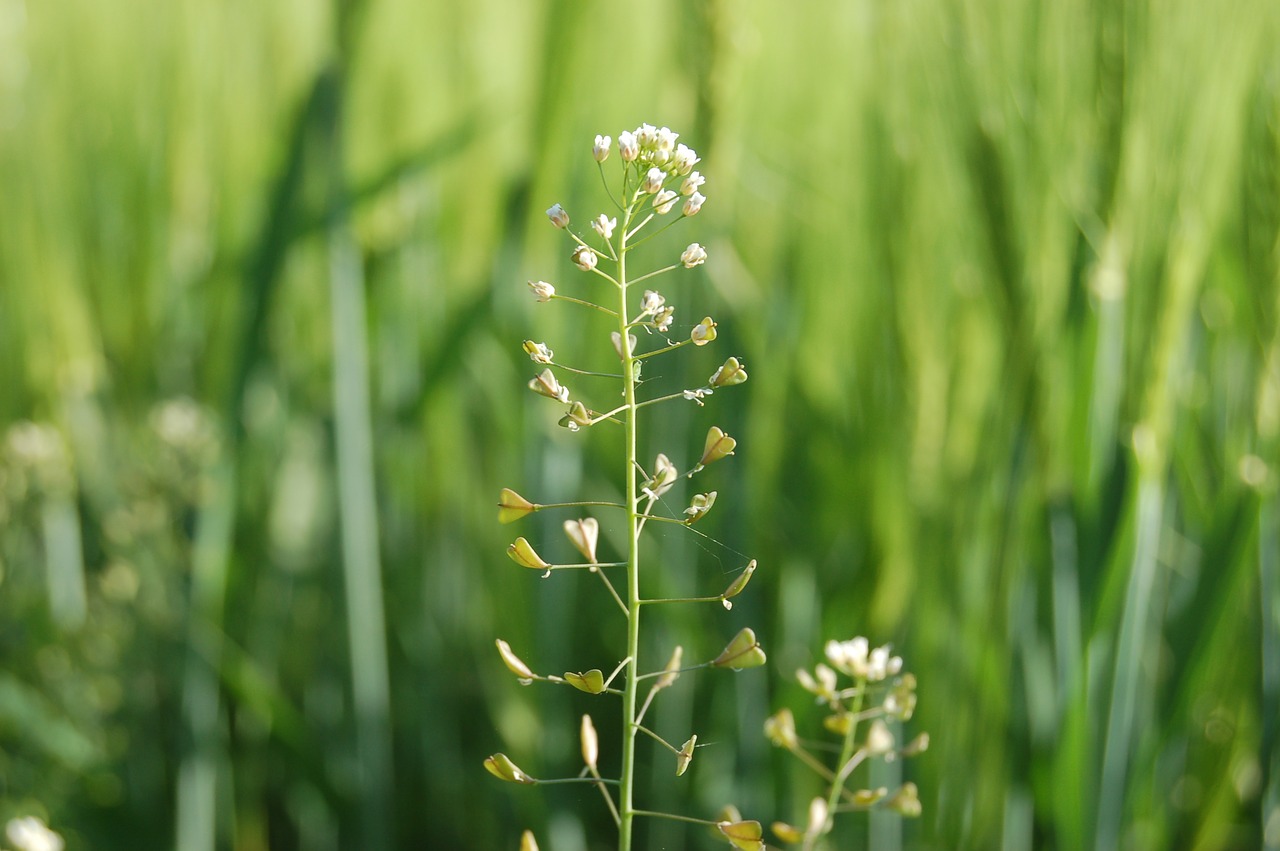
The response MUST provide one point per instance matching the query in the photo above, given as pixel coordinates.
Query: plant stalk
(629, 699)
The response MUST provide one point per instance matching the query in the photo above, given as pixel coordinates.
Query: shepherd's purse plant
(653, 184)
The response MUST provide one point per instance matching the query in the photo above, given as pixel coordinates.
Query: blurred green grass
(1005, 276)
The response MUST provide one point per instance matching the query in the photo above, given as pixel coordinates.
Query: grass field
(1007, 279)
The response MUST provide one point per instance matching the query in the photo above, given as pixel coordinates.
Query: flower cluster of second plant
(879, 691)
(657, 184)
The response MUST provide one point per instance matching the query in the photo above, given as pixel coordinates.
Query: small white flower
(697, 395)
(646, 135)
(628, 147)
(685, 158)
(546, 384)
(849, 656)
(666, 140)
(584, 258)
(538, 352)
(653, 180)
(879, 739)
(600, 150)
(542, 290)
(694, 255)
(652, 302)
(692, 184)
(693, 204)
(558, 216)
(662, 320)
(664, 201)
(604, 226)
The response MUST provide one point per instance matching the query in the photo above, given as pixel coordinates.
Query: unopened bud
(590, 743)
(600, 150)
(558, 216)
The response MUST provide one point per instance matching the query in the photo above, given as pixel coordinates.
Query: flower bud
(628, 147)
(538, 352)
(867, 797)
(916, 746)
(729, 374)
(604, 226)
(600, 150)
(542, 291)
(652, 302)
(900, 702)
(664, 201)
(584, 258)
(653, 180)
(684, 159)
(590, 743)
(527, 842)
(558, 216)
(780, 729)
(906, 801)
(704, 332)
(694, 255)
(693, 204)
(692, 183)
(662, 321)
(879, 739)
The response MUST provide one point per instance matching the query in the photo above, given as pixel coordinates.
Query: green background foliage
(1005, 276)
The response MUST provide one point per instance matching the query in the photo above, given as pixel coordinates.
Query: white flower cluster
(856, 658)
(665, 166)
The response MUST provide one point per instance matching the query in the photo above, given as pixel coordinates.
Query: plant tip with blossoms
(656, 181)
(878, 692)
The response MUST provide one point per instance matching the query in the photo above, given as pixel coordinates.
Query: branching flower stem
(847, 749)
(626, 806)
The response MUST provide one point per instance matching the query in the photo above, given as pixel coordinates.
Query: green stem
(664, 349)
(592, 305)
(674, 817)
(629, 698)
(846, 750)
